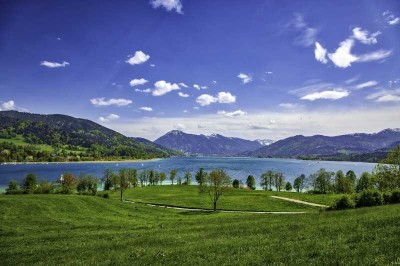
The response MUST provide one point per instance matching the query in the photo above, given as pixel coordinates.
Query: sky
(250, 69)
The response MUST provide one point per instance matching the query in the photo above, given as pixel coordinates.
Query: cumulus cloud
(184, 95)
(364, 36)
(162, 87)
(143, 91)
(320, 53)
(138, 58)
(169, 5)
(366, 84)
(246, 78)
(332, 95)
(232, 114)
(183, 85)
(226, 97)
(10, 105)
(108, 118)
(342, 57)
(103, 102)
(54, 64)
(145, 108)
(198, 87)
(136, 82)
(206, 99)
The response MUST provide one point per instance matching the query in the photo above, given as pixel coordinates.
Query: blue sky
(251, 69)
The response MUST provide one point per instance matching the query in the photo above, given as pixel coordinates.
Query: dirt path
(208, 210)
(300, 202)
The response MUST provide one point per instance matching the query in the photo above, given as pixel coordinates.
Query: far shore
(79, 162)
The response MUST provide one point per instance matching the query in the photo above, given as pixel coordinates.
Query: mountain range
(214, 144)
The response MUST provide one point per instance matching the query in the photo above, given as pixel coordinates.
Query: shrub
(103, 194)
(236, 183)
(386, 197)
(395, 197)
(369, 198)
(29, 183)
(13, 187)
(344, 202)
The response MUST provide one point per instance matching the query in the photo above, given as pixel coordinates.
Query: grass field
(189, 196)
(70, 229)
(20, 141)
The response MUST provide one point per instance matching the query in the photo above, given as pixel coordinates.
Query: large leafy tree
(121, 181)
(216, 184)
(267, 180)
(172, 175)
(321, 181)
(251, 182)
(200, 176)
(387, 173)
(300, 183)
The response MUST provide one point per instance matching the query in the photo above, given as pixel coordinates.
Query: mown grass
(324, 199)
(85, 230)
(189, 196)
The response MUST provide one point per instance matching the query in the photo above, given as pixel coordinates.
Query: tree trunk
(121, 195)
(215, 205)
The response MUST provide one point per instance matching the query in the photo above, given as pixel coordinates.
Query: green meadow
(87, 230)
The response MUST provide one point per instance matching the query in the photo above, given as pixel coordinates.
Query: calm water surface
(238, 168)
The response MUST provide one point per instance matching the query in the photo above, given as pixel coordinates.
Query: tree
(87, 184)
(107, 178)
(172, 175)
(45, 187)
(132, 177)
(216, 183)
(387, 173)
(300, 183)
(121, 181)
(365, 182)
(267, 179)
(188, 178)
(29, 183)
(236, 183)
(251, 182)
(12, 187)
(321, 181)
(68, 183)
(279, 180)
(344, 184)
(288, 186)
(351, 176)
(163, 176)
(200, 176)
(143, 178)
(152, 177)
(179, 181)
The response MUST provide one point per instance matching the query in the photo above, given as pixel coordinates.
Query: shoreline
(83, 162)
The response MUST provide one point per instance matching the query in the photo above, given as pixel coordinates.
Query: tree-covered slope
(70, 138)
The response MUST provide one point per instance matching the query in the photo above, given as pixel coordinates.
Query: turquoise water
(238, 168)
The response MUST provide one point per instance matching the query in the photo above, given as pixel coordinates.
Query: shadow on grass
(197, 213)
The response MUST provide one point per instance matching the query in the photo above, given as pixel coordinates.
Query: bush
(103, 194)
(236, 183)
(369, 198)
(395, 197)
(344, 202)
(386, 197)
(13, 187)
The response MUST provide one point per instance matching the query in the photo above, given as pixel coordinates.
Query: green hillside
(33, 137)
(84, 230)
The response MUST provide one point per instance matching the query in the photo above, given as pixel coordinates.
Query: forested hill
(35, 137)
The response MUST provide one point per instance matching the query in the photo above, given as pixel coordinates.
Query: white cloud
(168, 5)
(10, 105)
(152, 65)
(108, 118)
(206, 99)
(269, 72)
(307, 37)
(374, 56)
(136, 82)
(385, 96)
(289, 105)
(366, 84)
(147, 109)
(143, 91)
(103, 102)
(232, 114)
(320, 53)
(332, 95)
(226, 97)
(179, 126)
(246, 78)
(353, 79)
(138, 58)
(362, 36)
(198, 87)
(342, 57)
(184, 95)
(54, 64)
(162, 87)
(214, 82)
(390, 18)
(183, 85)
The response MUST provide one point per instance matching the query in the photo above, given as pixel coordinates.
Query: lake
(238, 168)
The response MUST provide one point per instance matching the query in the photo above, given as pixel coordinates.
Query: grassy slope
(56, 229)
(325, 199)
(189, 196)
